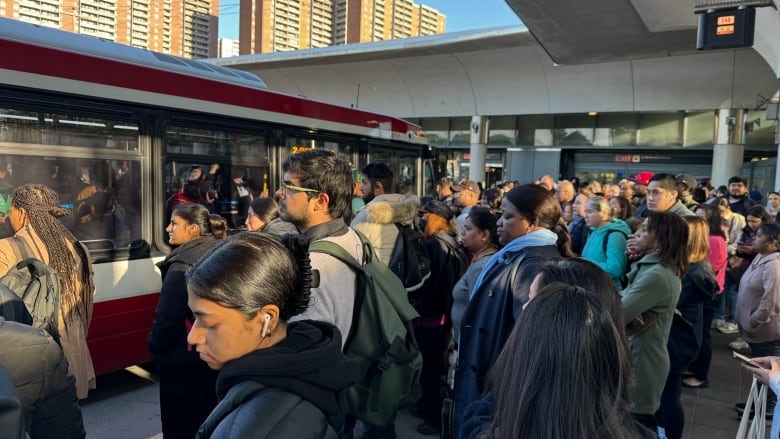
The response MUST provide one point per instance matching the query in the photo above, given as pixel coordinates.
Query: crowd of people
(590, 298)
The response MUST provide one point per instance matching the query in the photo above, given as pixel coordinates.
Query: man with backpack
(383, 210)
(315, 193)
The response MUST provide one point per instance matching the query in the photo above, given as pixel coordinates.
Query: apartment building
(279, 25)
(185, 28)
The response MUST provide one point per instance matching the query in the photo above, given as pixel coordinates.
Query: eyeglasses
(290, 188)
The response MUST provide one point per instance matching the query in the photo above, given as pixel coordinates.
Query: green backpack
(381, 338)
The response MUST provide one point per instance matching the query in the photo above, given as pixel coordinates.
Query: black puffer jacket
(289, 390)
(39, 372)
(168, 337)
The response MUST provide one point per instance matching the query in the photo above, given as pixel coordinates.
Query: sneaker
(717, 323)
(738, 344)
(728, 328)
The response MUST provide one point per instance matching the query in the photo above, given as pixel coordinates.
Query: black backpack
(410, 261)
(37, 285)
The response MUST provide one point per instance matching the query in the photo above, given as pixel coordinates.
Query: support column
(478, 149)
(728, 151)
(773, 113)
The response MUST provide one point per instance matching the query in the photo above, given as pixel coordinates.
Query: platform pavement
(125, 406)
(709, 413)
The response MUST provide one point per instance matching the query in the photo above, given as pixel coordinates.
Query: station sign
(726, 28)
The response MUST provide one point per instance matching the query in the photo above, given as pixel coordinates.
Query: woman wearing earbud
(276, 379)
(186, 384)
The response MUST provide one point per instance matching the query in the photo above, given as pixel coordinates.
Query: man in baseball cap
(641, 180)
(685, 186)
(466, 196)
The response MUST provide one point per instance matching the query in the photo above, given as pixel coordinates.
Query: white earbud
(266, 319)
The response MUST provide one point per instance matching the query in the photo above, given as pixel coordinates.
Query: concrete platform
(125, 405)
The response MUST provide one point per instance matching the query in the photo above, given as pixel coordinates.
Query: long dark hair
(671, 237)
(266, 209)
(713, 220)
(247, 271)
(565, 358)
(540, 207)
(43, 210)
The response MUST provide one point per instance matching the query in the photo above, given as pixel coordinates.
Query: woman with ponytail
(186, 384)
(33, 216)
(276, 379)
(532, 231)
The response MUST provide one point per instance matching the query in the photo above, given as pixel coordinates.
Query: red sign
(623, 158)
(726, 19)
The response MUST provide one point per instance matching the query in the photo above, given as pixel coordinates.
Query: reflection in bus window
(199, 141)
(103, 195)
(67, 129)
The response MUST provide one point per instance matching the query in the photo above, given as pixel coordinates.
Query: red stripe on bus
(80, 67)
(117, 334)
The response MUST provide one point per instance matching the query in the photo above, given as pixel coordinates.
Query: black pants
(431, 347)
(701, 365)
(187, 396)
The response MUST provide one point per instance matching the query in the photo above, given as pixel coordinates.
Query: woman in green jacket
(648, 306)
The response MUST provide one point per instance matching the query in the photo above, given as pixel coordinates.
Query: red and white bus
(77, 110)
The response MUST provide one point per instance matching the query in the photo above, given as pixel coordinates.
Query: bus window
(223, 170)
(45, 128)
(103, 195)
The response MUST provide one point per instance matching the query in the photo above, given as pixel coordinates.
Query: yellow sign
(725, 30)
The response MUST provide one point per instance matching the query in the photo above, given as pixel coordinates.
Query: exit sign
(726, 28)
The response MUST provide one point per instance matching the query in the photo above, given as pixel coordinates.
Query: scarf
(537, 238)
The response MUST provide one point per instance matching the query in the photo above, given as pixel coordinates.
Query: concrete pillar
(728, 150)
(478, 150)
(773, 113)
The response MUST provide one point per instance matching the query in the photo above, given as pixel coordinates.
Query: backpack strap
(21, 250)
(606, 238)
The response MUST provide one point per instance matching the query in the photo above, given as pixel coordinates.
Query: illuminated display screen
(726, 29)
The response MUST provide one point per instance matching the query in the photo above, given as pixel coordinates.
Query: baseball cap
(470, 185)
(438, 208)
(687, 180)
(642, 177)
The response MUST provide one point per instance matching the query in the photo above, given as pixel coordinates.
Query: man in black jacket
(39, 372)
(738, 196)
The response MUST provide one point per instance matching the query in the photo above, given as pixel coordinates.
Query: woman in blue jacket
(606, 245)
(532, 231)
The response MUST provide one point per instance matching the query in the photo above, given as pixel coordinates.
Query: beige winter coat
(377, 221)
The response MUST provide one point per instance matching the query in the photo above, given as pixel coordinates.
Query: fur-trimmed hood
(390, 208)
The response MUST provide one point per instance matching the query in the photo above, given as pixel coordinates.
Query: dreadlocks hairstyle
(43, 208)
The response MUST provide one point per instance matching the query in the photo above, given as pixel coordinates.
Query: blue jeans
(727, 300)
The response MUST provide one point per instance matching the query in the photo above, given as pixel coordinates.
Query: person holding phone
(758, 301)
(767, 374)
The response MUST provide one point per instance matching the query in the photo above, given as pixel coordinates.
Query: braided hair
(43, 208)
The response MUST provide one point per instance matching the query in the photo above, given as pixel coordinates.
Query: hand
(763, 375)
(214, 168)
(744, 249)
(638, 321)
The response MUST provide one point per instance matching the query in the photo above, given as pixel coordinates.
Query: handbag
(756, 401)
(683, 344)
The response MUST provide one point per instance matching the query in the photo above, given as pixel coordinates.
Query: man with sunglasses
(315, 194)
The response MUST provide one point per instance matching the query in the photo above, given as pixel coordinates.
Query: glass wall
(604, 130)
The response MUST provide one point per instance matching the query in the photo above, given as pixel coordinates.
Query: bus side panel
(117, 334)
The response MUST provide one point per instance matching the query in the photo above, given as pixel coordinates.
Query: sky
(461, 15)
